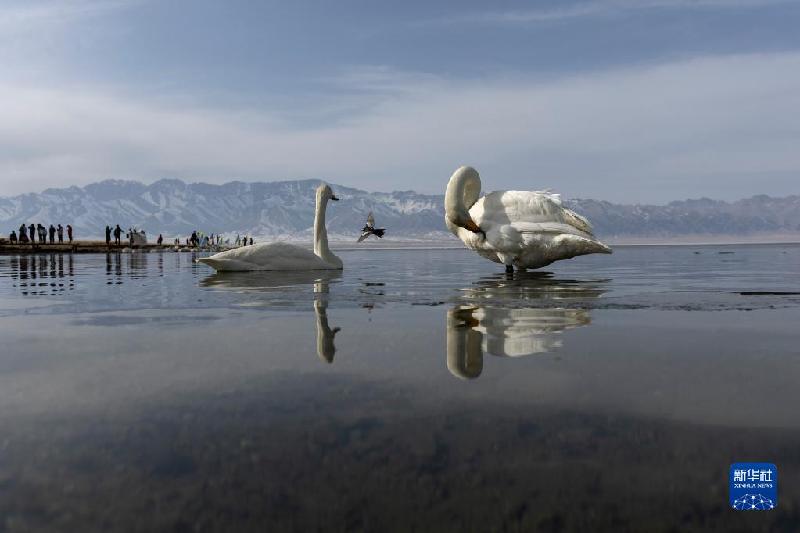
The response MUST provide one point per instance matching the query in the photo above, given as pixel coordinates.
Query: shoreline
(705, 243)
(100, 247)
(85, 247)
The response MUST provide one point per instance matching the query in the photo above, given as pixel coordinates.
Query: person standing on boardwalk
(117, 235)
(52, 231)
(42, 233)
(13, 237)
(60, 233)
(23, 234)
(32, 229)
(69, 233)
(108, 235)
(160, 239)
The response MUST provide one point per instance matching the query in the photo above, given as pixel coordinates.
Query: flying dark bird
(370, 229)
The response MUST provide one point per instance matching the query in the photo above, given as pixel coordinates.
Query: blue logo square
(753, 486)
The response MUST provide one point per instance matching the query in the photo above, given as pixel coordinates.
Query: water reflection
(113, 269)
(271, 281)
(503, 329)
(325, 335)
(525, 286)
(137, 264)
(42, 274)
(473, 331)
(148, 409)
(268, 281)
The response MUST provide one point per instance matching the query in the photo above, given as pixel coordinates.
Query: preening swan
(523, 229)
(281, 255)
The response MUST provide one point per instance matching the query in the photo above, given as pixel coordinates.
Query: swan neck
(321, 249)
(454, 197)
(462, 192)
(320, 231)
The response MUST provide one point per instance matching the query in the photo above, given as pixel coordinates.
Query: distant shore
(95, 246)
(706, 240)
(86, 247)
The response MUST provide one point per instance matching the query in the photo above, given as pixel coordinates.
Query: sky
(621, 100)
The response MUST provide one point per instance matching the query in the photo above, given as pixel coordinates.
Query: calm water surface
(417, 390)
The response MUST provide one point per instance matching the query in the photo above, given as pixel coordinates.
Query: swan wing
(500, 208)
(521, 236)
(272, 256)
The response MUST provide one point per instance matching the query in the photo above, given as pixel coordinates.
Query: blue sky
(632, 101)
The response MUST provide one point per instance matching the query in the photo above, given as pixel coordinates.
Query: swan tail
(578, 245)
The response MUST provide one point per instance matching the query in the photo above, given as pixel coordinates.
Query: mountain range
(285, 209)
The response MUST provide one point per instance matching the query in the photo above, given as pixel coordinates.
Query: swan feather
(527, 229)
(281, 255)
(268, 256)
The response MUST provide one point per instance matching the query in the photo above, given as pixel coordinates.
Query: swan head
(324, 192)
(463, 191)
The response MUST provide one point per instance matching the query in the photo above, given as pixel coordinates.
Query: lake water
(417, 390)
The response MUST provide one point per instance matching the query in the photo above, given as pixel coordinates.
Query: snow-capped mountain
(285, 209)
(174, 208)
(757, 215)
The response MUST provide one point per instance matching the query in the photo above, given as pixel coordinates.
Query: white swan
(523, 229)
(281, 255)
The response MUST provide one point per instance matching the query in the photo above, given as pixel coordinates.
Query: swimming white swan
(523, 229)
(281, 255)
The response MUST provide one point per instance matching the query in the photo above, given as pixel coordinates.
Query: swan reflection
(523, 286)
(488, 323)
(280, 280)
(267, 281)
(473, 331)
(325, 334)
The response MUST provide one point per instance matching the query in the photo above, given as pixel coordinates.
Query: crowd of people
(33, 233)
(201, 240)
(117, 232)
(242, 241)
(37, 233)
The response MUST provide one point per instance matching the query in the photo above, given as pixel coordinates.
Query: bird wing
(363, 236)
(370, 220)
(526, 208)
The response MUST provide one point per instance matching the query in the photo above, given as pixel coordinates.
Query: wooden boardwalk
(87, 247)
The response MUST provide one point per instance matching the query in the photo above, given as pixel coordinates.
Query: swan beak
(334, 198)
(473, 227)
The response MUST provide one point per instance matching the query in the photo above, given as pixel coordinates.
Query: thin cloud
(599, 8)
(721, 123)
(23, 17)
